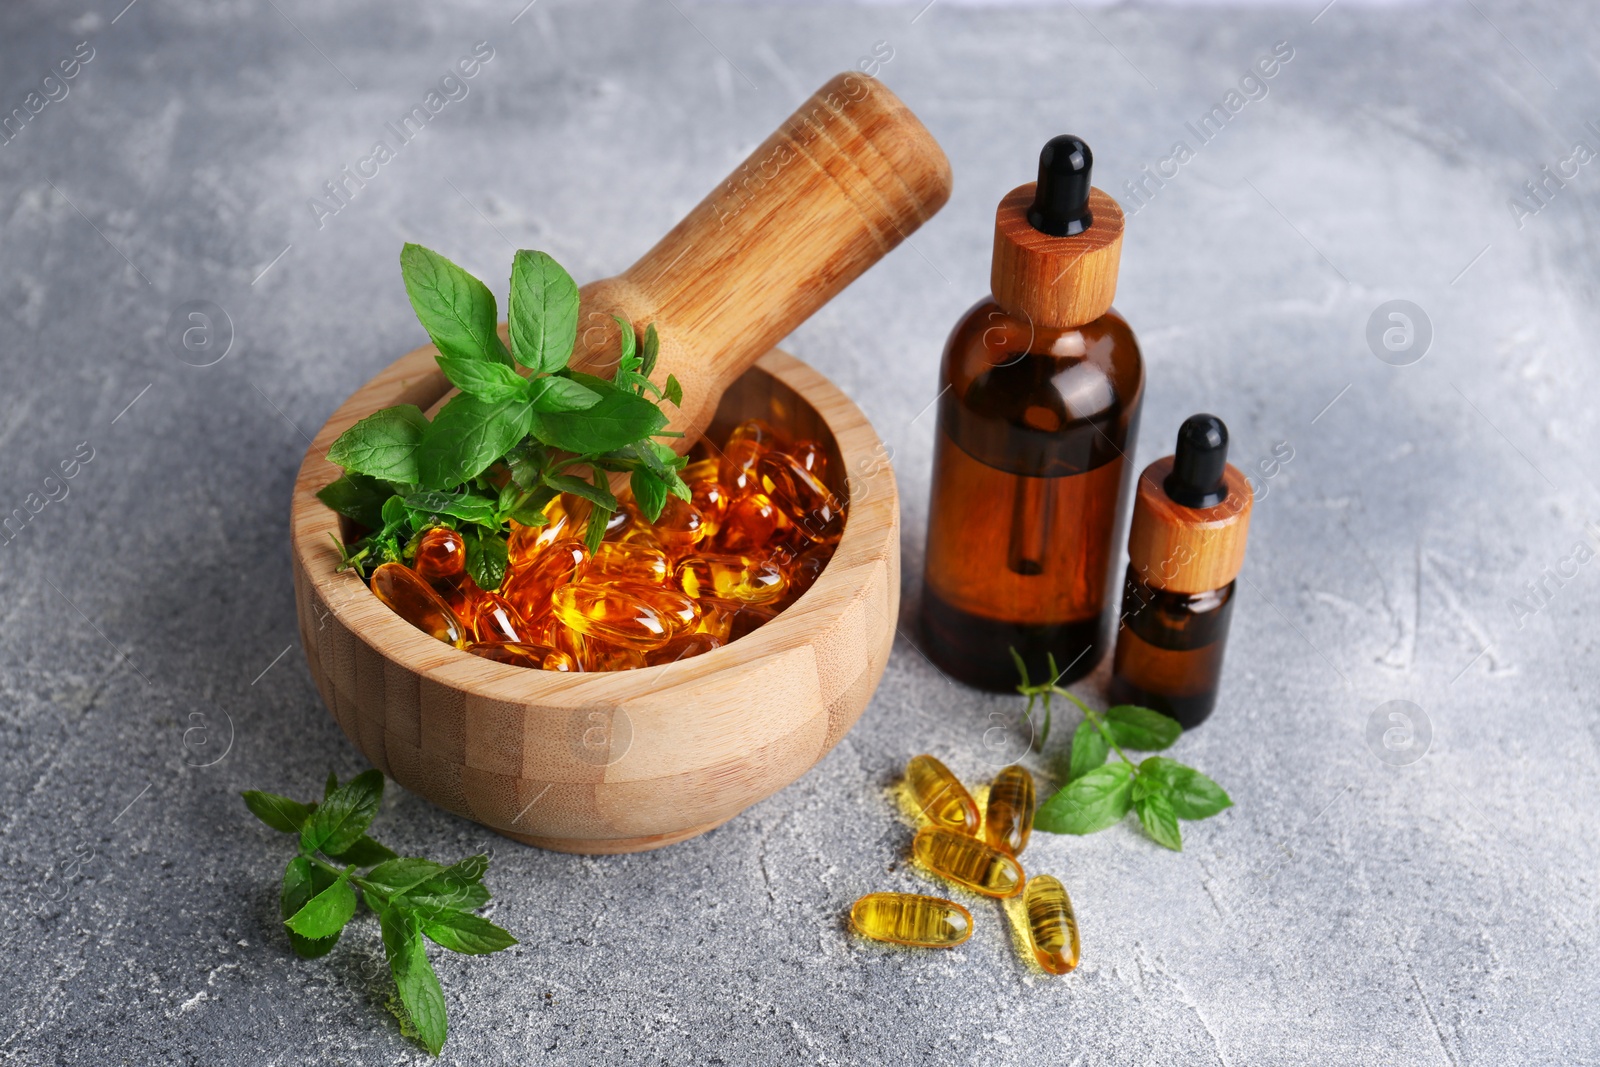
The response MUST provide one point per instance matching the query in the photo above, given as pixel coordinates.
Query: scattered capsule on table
(612, 614)
(495, 621)
(440, 553)
(1052, 926)
(530, 586)
(730, 577)
(940, 796)
(1008, 811)
(968, 862)
(627, 559)
(911, 919)
(684, 646)
(415, 601)
(538, 657)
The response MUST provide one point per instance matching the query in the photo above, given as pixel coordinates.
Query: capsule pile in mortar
(759, 527)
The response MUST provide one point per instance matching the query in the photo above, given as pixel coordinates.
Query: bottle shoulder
(1004, 365)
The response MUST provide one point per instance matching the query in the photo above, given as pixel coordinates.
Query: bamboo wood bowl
(619, 761)
(631, 760)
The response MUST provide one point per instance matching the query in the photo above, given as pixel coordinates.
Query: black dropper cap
(1198, 464)
(1061, 199)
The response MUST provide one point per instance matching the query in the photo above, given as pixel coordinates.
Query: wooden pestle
(842, 181)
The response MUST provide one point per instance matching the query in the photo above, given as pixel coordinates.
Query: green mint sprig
(510, 442)
(1098, 794)
(414, 899)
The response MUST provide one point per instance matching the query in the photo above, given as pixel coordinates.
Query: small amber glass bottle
(1185, 548)
(1038, 409)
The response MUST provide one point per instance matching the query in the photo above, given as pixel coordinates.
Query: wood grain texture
(842, 181)
(621, 761)
(1055, 281)
(1188, 550)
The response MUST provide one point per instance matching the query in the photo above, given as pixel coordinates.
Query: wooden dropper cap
(1057, 242)
(1192, 513)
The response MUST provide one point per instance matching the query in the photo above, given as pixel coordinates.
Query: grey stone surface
(1346, 910)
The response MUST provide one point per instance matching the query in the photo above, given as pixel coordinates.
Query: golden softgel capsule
(1052, 927)
(1008, 813)
(414, 600)
(940, 796)
(910, 919)
(968, 862)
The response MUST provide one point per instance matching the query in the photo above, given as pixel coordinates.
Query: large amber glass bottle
(1038, 412)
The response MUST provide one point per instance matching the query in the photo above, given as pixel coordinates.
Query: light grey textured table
(1359, 905)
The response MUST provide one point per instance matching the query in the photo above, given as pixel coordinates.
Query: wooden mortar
(631, 760)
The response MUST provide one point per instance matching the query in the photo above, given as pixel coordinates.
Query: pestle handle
(842, 181)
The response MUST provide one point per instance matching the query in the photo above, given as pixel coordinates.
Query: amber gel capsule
(968, 862)
(910, 919)
(940, 796)
(1052, 927)
(414, 600)
(1008, 813)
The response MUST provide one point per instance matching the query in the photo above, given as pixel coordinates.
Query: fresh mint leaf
(531, 513)
(456, 309)
(595, 531)
(649, 351)
(463, 506)
(364, 853)
(280, 813)
(463, 932)
(597, 493)
(325, 914)
(383, 445)
(1097, 800)
(673, 392)
(483, 379)
(413, 976)
(555, 393)
(345, 814)
(617, 419)
(487, 558)
(412, 898)
(543, 312)
(1159, 821)
(629, 341)
(398, 875)
(649, 492)
(1141, 728)
(1192, 794)
(359, 497)
(330, 785)
(1089, 750)
(458, 887)
(301, 882)
(466, 437)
